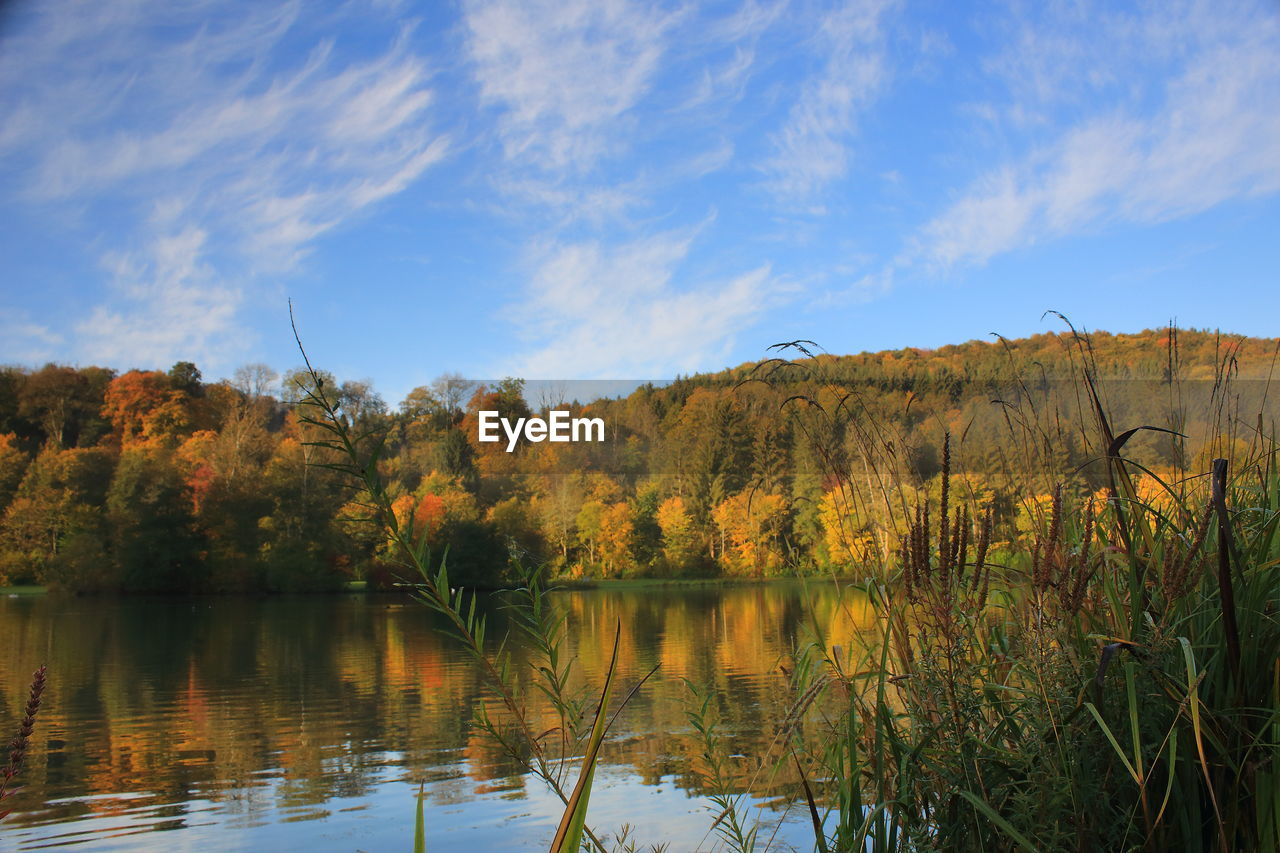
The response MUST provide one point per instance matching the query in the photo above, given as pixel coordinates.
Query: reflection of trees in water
(285, 704)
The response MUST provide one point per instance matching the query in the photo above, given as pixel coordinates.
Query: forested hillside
(153, 481)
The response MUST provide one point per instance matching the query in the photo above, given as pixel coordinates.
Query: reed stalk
(1110, 682)
(22, 740)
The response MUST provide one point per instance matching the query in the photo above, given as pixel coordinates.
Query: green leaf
(1089, 706)
(569, 834)
(1004, 825)
(419, 827)
(814, 816)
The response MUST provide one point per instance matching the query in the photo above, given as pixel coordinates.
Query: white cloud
(1212, 135)
(722, 81)
(570, 202)
(565, 73)
(602, 311)
(597, 107)
(171, 121)
(170, 307)
(277, 158)
(812, 149)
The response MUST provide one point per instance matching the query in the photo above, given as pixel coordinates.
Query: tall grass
(1040, 721)
(1109, 682)
(1113, 683)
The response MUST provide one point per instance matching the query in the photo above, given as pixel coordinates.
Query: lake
(308, 723)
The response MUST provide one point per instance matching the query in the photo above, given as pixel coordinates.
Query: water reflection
(246, 723)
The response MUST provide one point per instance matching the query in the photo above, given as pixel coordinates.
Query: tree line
(157, 481)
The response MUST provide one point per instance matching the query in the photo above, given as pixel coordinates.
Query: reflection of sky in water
(455, 820)
(306, 723)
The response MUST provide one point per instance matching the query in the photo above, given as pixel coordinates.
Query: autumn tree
(144, 407)
(709, 448)
(364, 406)
(440, 403)
(559, 496)
(63, 401)
(617, 539)
(646, 541)
(515, 521)
(11, 422)
(681, 543)
(13, 464)
(451, 518)
(255, 381)
(223, 472)
(420, 403)
(595, 520)
(58, 504)
(451, 389)
(497, 470)
(507, 399)
(750, 525)
(300, 544)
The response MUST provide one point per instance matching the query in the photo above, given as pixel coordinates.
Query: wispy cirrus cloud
(649, 171)
(600, 108)
(1204, 132)
(814, 146)
(601, 311)
(198, 120)
(565, 74)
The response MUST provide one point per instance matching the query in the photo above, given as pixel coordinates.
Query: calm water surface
(307, 723)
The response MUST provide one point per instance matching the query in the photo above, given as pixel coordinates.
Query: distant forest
(152, 481)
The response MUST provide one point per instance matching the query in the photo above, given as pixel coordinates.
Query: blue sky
(585, 189)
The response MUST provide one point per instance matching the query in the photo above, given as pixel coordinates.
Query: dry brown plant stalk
(18, 746)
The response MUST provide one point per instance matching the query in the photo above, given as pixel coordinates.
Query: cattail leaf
(1193, 695)
(819, 836)
(419, 827)
(568, 836)
(1119, 441)
(1109, 651)
(1004, 825)
(1173, 762)
(1115, 744)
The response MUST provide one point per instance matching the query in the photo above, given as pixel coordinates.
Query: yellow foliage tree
(749, 526)
(617, 531)
(680, 543)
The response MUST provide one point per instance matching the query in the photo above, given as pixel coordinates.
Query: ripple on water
(309, 723)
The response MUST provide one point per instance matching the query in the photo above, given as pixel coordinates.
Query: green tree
(185, 377)
(302, 547)
(154, 541)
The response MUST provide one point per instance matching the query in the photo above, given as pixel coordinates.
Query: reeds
(1095, 687)
(1033, 719)
(18, 746)
(1091, 687)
